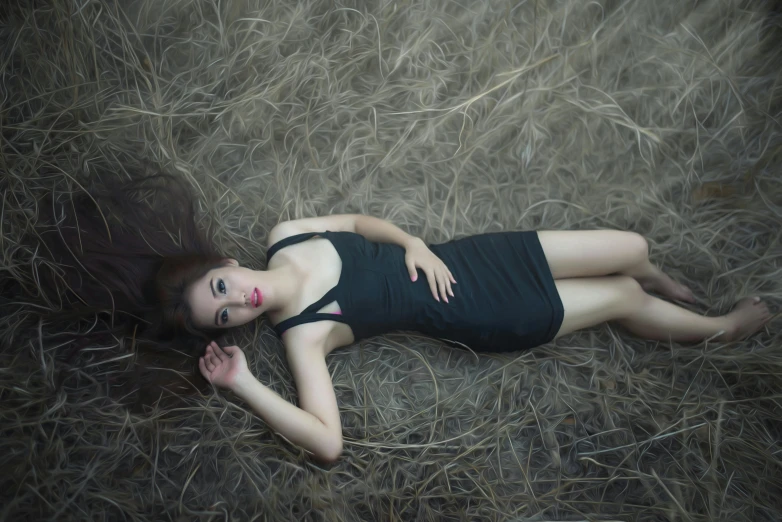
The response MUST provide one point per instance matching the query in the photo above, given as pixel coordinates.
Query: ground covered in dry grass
(447, 118)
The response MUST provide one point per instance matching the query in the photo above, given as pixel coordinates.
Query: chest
(317, 268)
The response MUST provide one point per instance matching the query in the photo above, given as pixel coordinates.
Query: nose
(240, 299)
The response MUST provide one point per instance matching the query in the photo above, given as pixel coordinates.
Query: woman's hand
(223, 367)
(418, 255)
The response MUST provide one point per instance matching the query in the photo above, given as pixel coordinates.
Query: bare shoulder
(334, 223)
(282, 230)
(306, 338)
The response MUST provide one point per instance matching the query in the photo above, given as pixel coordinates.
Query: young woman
(333, 280)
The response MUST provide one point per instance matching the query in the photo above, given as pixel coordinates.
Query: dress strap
(327, 298)
(290, 240)
(303, 318)
(311, 314)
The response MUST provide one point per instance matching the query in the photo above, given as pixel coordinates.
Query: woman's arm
(297, 425)
(372, 228)
(315, 426)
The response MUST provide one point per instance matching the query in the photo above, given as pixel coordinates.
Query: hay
(447, 118)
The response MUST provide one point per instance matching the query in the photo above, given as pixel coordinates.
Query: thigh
(594, 300)
(589, 253)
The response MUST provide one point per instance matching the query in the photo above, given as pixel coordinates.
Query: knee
(630, 297)
(637, 245)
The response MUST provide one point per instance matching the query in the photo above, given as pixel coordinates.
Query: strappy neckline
(311, 313)
(291, 240)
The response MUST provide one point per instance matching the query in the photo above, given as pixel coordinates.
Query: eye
(221, 286)
(224, 316)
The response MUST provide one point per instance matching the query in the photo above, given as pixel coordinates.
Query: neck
(282, 288)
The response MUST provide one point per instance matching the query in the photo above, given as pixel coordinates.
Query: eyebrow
(217, 312)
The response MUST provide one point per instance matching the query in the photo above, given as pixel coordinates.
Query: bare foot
(661, 283)
(747, 317)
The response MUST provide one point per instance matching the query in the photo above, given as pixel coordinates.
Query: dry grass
(448, 118)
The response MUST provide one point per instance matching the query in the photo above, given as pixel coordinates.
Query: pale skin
(601, 276)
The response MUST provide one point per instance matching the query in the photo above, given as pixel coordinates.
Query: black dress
(505, 296)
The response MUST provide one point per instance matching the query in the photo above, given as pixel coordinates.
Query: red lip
(257, 298)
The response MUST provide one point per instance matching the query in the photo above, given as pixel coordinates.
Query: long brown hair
(124, 254)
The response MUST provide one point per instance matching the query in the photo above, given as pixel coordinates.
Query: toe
(685, 294)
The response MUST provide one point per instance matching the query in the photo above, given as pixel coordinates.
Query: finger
(231, 350)
(432, 283)
(213, 357)
(441, 286)
(448, 285)
(412, 270)
(450, 275)
(209, 364)
(218, 352)
(202, 367)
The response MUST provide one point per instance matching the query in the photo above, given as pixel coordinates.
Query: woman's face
(225, 297)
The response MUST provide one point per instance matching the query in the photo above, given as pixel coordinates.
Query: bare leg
(593, 300)
(591, 253)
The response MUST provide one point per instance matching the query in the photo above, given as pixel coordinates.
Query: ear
(231, 262)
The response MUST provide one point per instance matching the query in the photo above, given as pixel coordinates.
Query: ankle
(729, 328)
